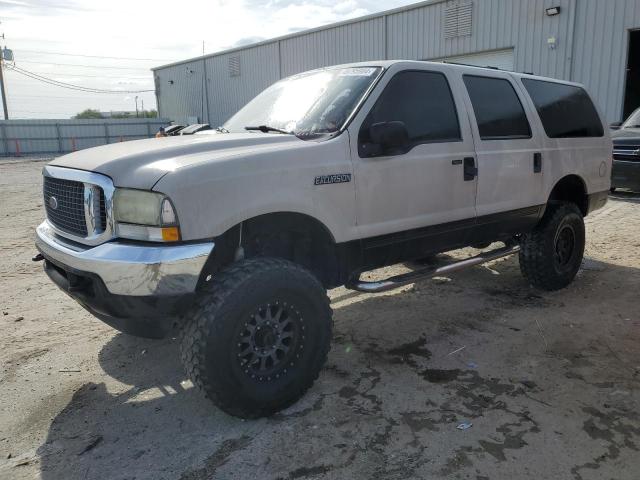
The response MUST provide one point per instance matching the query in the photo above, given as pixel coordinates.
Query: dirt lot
(548, 380)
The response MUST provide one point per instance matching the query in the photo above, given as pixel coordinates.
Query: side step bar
(411, 277)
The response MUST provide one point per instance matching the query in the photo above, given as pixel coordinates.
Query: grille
(69, 214)
(103, 211)
(630, 153)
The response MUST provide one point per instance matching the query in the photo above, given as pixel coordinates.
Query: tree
(88, 113)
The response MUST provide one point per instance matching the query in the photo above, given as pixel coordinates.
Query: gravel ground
(549, 381)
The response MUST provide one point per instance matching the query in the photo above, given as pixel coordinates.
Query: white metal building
(595, 42)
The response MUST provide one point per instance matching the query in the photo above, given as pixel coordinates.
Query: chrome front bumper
(127, 268)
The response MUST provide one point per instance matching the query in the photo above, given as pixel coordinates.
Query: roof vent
(234, 66)
(458, 19)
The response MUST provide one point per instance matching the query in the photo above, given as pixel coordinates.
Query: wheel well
(571, 189)
(292, 236)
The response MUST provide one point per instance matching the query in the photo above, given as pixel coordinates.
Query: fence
(39, 137)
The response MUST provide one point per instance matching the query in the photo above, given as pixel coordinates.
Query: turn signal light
(170, 234)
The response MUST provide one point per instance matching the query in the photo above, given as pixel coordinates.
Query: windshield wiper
(221, 130)
(267, 129)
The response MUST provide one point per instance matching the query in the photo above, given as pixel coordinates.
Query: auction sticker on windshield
(357, 72)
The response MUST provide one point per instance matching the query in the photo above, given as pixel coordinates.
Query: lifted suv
(233, 237)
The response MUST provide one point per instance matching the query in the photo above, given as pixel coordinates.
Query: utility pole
(2, 90)
(142, 99)
(136, 106)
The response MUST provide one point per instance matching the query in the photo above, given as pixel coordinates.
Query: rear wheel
(258, 338)
(551, 254)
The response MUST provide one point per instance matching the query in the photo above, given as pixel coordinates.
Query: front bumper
(138, 289)
(130, 268)
(625, 174)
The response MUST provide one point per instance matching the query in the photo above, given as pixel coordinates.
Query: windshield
(633, 121)
(308, 105)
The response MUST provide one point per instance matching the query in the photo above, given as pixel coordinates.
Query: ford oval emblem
(53, 203)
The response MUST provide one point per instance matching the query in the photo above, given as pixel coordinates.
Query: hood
(626, 136)
(141, 163)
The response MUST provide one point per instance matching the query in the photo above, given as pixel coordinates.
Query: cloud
(247, 41)
(159, 30)
(40, 7)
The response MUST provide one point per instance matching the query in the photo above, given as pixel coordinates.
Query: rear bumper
(597, 200)
(625, 174)
(138, 289)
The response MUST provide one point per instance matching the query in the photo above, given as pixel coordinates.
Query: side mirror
(389, 135)
(615, 125)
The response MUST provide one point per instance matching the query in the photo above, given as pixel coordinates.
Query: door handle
(456, 162)
(537, 162)
(470, 169)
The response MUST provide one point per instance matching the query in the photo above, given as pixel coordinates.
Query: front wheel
(551, 254)
(258, 337)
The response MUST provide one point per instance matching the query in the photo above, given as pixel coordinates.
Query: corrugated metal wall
(258, 69)
(590, 46)
(33, 137)
(600, 49)
(354, 42)
(180, 91)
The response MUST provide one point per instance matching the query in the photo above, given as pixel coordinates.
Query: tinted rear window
(566, 111)
(498, 110)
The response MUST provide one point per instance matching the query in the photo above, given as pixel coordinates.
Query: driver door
(427, 190)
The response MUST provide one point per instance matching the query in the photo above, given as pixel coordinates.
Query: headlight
(143, 215)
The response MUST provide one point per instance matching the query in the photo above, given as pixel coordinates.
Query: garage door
(502, 59)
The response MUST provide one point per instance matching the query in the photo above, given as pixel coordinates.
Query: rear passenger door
(508, 152)
(575, 141)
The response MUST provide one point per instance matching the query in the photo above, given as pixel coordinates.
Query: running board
(411, 277)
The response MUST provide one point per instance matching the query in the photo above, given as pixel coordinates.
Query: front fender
(210, 198)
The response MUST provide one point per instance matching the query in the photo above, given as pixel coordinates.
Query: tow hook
(37, 258)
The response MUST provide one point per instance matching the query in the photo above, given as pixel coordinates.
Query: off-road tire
(233, 305)
(544, 258)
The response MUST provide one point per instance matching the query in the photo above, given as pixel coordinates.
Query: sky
(69, 40)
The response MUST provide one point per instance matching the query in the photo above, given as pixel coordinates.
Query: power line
(85, 66)
(31, 111)
(95, 56)
(97, 76)
(70, 86)
(70, 98)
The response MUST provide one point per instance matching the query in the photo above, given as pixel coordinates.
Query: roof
(454, 65)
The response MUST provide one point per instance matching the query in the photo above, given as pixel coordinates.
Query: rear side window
(566, 111)
(423, 101)
(498, 110)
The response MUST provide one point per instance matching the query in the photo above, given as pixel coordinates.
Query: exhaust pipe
(412, 277)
